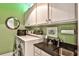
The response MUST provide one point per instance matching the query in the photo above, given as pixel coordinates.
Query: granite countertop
(53, 49)
(50, 49)
(68, 46)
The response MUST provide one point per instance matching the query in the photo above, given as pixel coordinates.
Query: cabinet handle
(48, 21)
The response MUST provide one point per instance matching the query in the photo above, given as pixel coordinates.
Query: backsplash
(35, 30)
(67, 38)
(72, 39)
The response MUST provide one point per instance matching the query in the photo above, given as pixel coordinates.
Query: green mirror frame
(12, 23)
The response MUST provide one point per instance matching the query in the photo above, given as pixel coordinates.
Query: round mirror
(12, 23)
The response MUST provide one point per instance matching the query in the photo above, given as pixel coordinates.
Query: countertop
(53, 49)
(50, 49)
(30, 37)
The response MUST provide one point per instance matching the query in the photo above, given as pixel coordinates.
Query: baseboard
(7, 54)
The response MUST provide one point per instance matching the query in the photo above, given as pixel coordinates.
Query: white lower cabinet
(36, 54)
(44, 53)
(26, 47)
(29, 48)
(39, 52)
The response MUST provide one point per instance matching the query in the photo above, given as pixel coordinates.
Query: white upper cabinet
(61, 12)
(31, 16)
(42, 13)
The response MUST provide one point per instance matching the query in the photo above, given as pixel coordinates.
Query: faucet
(58, 42)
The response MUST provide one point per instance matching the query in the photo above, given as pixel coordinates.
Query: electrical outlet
(64, 40)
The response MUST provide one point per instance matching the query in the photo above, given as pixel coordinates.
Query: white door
(62, 12)
(31, 19)
(42, 13)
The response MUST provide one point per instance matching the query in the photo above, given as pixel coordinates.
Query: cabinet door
(39, 52)
(44, 53)
(62, 12)
(42, 13)
(31, 16)
(29, 47)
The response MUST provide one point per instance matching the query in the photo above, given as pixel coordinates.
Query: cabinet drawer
(36, 54)
(37, 50)
(44, 53)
